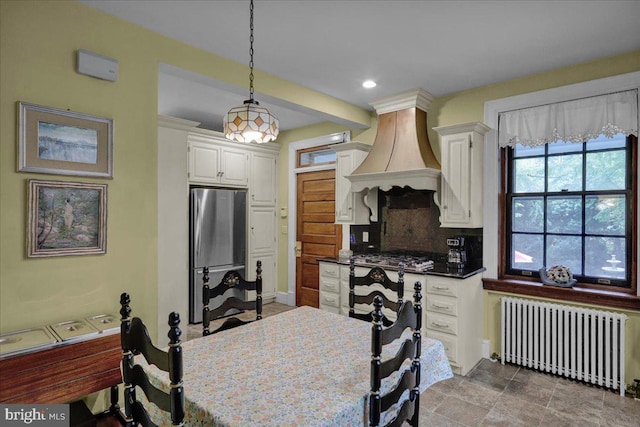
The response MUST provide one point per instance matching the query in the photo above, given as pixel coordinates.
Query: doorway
(306, 156)
(316, 231)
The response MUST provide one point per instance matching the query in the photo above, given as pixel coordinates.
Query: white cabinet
(451, 308)
(453, 315)
(334, 286)
(262, 178)
(462, 149)
(350, 207)
(262, 229)
(213, 162)
(269, 277)
(330, 286)
(263, 239)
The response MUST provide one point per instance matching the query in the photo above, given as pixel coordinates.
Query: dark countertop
(439, 269)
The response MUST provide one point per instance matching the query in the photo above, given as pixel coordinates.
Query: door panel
(316, 231)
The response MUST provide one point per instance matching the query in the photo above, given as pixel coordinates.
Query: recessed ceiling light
(368, 84)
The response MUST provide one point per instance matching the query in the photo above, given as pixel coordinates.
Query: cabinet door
(262, 230)
(344, 198)
(234, 167)
(263, 179)
(203, 163)
(456, 180)
(269, 277)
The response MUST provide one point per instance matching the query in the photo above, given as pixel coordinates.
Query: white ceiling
(332, 46)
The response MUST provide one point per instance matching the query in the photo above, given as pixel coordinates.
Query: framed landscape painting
(64, 142)
(66, 218)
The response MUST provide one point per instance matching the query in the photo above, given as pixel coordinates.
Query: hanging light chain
(251, 51)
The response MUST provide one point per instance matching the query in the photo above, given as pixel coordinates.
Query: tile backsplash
(408, 221)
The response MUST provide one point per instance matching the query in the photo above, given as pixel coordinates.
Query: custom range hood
(401, 154)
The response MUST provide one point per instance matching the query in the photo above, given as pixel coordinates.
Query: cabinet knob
(444, 207)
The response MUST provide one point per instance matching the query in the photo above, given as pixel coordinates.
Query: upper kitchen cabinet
(262, 177)
(214, 161)
(462, 148)
(350, 207)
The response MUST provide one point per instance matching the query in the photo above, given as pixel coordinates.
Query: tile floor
(493, 394)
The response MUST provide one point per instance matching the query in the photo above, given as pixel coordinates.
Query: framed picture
(63, 142)
(66, 218)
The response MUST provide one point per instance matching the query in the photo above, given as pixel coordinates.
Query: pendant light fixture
(250, 122)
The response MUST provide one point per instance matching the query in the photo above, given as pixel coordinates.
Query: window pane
(605, 215)
(529, 175)
(564, 147)
(605, 257)
(564, 215)
(565, 173)
(603, 143)
(527, 251)
(310, 158)
(606, 170)
(527, 214)
(522, 151)
(565, 250)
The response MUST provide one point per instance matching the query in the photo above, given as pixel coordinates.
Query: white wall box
(350, 207)
(460, 195)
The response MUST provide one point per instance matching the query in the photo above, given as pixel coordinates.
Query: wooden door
(316, 232)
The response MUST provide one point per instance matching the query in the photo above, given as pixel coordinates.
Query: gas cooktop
(412, 262)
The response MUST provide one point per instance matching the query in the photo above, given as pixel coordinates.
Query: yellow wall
(38, 41)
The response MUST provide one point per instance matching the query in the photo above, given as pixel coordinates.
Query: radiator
(582, 344)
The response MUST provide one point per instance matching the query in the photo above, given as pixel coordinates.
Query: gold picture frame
(66, 218)
(64, 142)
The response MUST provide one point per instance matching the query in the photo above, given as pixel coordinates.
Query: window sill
(580, 295)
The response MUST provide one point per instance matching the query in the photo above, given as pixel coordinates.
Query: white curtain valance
(571, 121)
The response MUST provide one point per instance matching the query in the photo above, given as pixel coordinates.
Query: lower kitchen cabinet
(269, 284)
(451, 308)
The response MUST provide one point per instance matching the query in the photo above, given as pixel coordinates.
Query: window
(571, 203)
(315, 156)
(529, 126)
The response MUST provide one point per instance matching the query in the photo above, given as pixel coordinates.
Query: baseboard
(486, 349)
(286, 298)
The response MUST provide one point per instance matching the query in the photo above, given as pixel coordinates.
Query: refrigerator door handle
(196, 202)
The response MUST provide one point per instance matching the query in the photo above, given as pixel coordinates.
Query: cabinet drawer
(329, 308)
(450, 343)
(441, 287)
(331, 285)
(344, 273)
(442, 323)
(445, 305)
(330, 299)
(328, 269)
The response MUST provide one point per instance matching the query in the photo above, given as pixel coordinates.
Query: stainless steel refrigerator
(217, 241)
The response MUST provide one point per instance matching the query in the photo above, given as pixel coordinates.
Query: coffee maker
(457, 255)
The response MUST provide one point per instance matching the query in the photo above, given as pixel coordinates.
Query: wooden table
(63, 373)
(303, 367)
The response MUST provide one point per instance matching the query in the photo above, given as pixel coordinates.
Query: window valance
(571, 121)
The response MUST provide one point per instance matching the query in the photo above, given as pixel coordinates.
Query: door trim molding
(334, 138)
